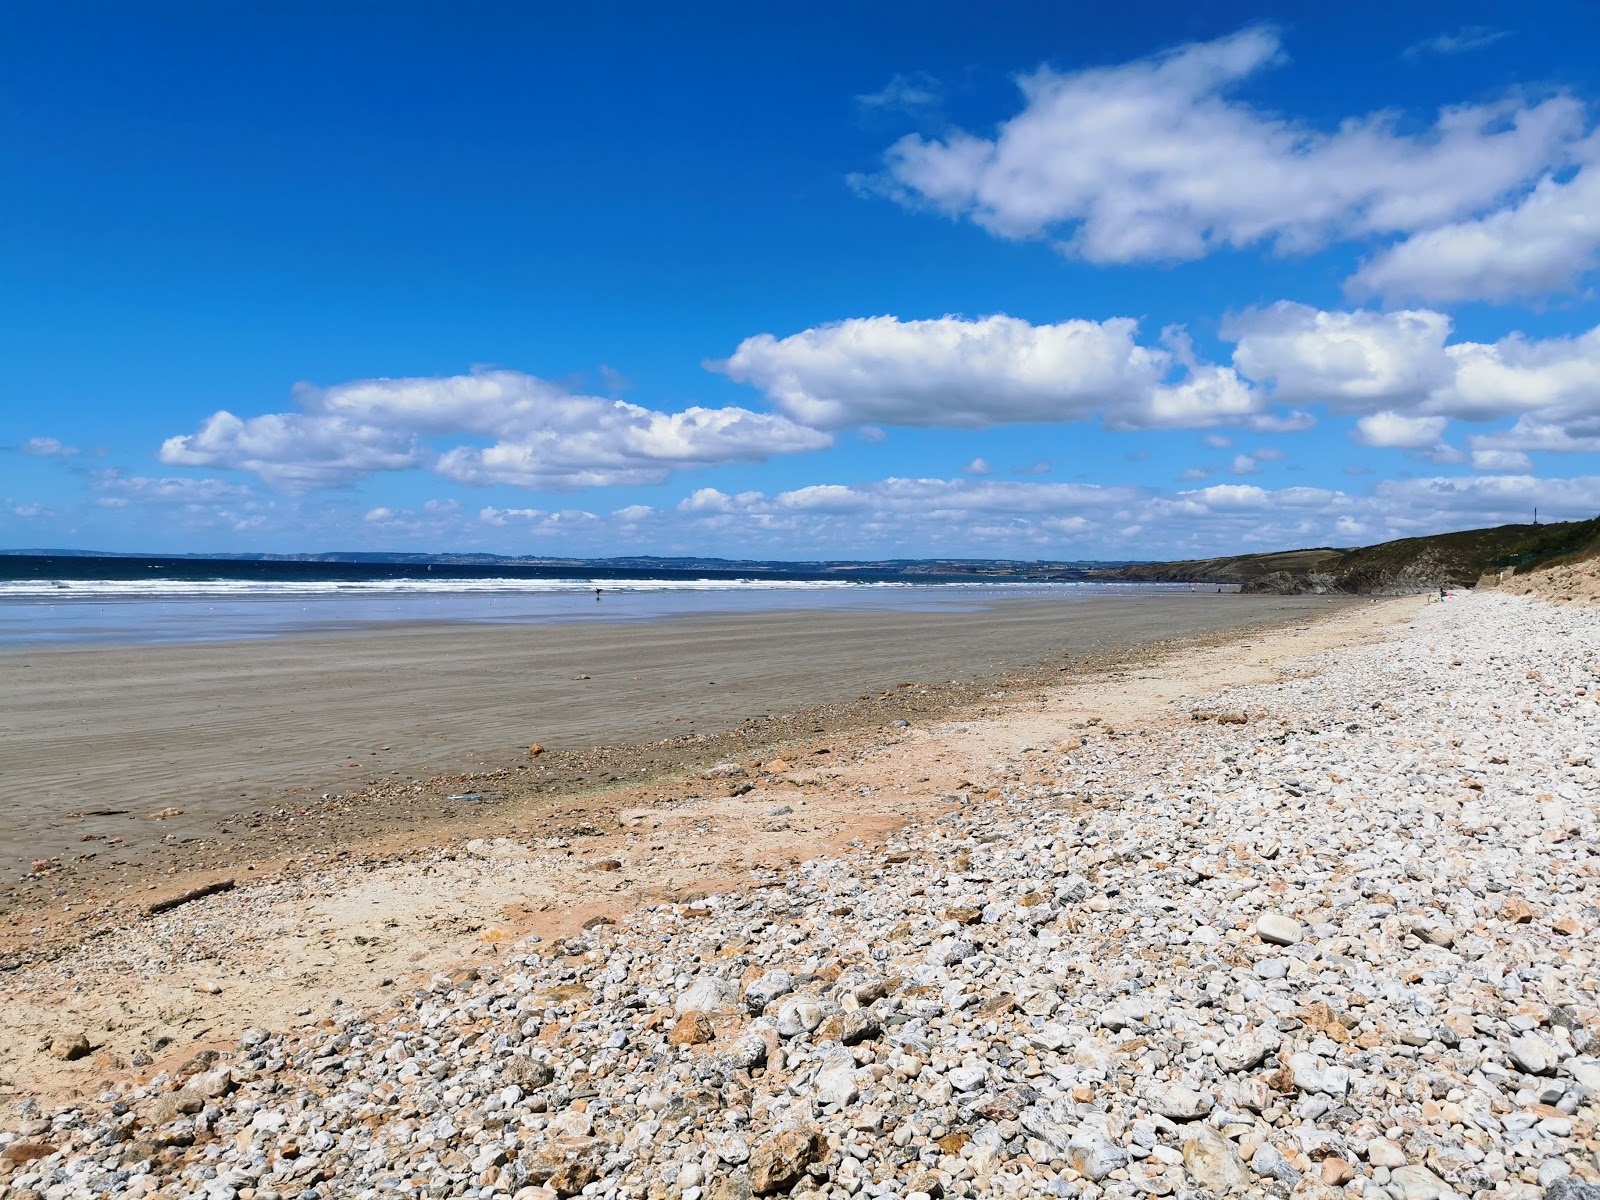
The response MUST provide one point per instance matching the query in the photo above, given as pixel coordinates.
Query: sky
(839, 280)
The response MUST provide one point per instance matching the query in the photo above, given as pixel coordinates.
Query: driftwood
(199, 893)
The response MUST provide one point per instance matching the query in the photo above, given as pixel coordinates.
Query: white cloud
(1501, 460)
(969, 373)
(1195, 474)
(537, 520)
(544, 436)
(1396, 431)
(1470, 37)
(145, 489)
(1042, 467)
(1402, 367)
(1157, 160)
(1244, 464)
(1267, 454)
(913, 92)
(1543, 243)
(47, 447)
(1349, 360)
(1217, 441)
(977, 466)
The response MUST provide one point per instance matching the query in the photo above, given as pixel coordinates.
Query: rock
(1585, 1072)
(571, 1178)
(1419, 1183)
(1267, 1161)
(1247, 1049)
(1278, 929)
(747, 1051)
(26, 1152)
(1533, 1054)
(1093, 1154)
(1310, 1074)
(209, 987)
(1179, 1103)
(1336, 1172)
(535, 750)
(949, 951)
(708, 993)
(851, 1027)
(1570, 1188)
(1212, 1161)
(835, 1082)
(1381, 1152)
(727, 770)
(778, 1163)
(799, 1015)
(691, 1029)
(1516, 910)
(766, 989)
(967, 1079)
(69, 1046)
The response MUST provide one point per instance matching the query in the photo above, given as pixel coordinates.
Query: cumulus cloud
(969, 373)
(1404, 373)
(1244, 464)
(1390, 430)
(542, 435)
(978, 466)
(1158, 159)
(47, 447)
(1351, 360)
(1543, 243)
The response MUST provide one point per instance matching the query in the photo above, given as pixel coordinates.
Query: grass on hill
(1571, 542)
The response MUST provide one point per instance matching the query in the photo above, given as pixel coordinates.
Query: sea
(71, 599)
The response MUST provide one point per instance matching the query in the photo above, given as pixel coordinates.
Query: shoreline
(206, 758)
(673, 834)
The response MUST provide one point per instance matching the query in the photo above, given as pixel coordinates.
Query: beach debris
(208, 987)
(726, 770)
(466, 796)
(535, 750)
(195, 893)
(580, 677)
(163, 813)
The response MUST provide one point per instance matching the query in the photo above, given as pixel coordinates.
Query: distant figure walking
(597, 595)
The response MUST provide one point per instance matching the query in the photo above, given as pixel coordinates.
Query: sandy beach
(1304, 911)
(218, 736)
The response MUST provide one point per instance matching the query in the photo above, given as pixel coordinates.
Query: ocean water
(70, 600)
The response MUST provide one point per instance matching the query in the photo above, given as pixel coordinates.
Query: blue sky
(897, 280)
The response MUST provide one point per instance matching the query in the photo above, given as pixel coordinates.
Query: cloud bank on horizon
(1432, 328)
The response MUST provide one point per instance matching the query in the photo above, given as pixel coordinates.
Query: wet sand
(113, 735)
